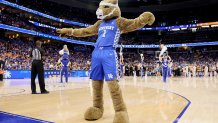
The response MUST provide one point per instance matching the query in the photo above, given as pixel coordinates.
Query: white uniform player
(206, 71)
(194, 70)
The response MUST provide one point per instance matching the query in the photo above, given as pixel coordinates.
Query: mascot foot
(93, 113)
(121, 117)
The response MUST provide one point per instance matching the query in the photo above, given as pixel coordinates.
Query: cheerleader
(163, 49)
(64, 63)
(142, 65)
(165, 62)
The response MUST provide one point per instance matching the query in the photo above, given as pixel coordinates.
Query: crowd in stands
(16, 52)
(58, 10)
(18, 18)
(85, 15)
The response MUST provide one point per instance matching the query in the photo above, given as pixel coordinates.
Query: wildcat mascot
(104, 58)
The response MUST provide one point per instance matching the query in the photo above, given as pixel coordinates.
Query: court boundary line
(184, 109)
(22, 91)
(25, 117)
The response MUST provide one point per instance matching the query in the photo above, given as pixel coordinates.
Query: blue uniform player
(104, 57)
(170, 68)
(64, 62)
(165, 62)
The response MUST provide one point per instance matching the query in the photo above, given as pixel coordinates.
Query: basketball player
(194, 68)
(64, 63)
(170, 67)
(206, 71)
(165, 62)
(198, 69)
(186, 71)
(214, 69)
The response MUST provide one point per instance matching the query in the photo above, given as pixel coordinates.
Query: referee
(37, 69)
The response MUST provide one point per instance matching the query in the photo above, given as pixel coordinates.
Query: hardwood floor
(145, 99)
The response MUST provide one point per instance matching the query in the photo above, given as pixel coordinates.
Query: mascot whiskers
(104, 57)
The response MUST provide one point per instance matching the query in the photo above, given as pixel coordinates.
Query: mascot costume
(104, 58)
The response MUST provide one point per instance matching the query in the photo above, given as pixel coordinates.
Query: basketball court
(188, 100)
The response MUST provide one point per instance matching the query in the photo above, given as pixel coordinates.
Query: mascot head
(108, 9)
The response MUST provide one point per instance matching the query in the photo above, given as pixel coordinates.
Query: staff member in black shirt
(37, 68)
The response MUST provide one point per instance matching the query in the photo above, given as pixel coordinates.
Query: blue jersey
(65, 59)
(64, 62)
(65, 55)
(104, 57)
(108, 34)
(165, 64)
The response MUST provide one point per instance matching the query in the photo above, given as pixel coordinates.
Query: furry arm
(85, 32)
(82, 32)
(129, 25)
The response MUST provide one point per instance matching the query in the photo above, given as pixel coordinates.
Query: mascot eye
(106, 6)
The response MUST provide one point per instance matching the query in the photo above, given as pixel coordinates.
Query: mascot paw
(93, 113)
(66, 31)
(121, 117)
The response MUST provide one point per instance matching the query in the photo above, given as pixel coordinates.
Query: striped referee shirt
(37, 54)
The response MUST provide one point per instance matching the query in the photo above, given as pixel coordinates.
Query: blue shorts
(104, 64)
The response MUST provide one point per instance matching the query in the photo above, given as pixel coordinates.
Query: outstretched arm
(169, 58)
(85, 32)
(129, 25)
(82, 32)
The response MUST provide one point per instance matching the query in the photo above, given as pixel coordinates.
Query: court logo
(7, 74)
(110, 76)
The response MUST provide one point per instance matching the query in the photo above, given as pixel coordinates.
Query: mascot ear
(115, 2)
(111, 1)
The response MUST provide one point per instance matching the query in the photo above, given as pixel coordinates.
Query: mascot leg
(121, 115)
(96, 112)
